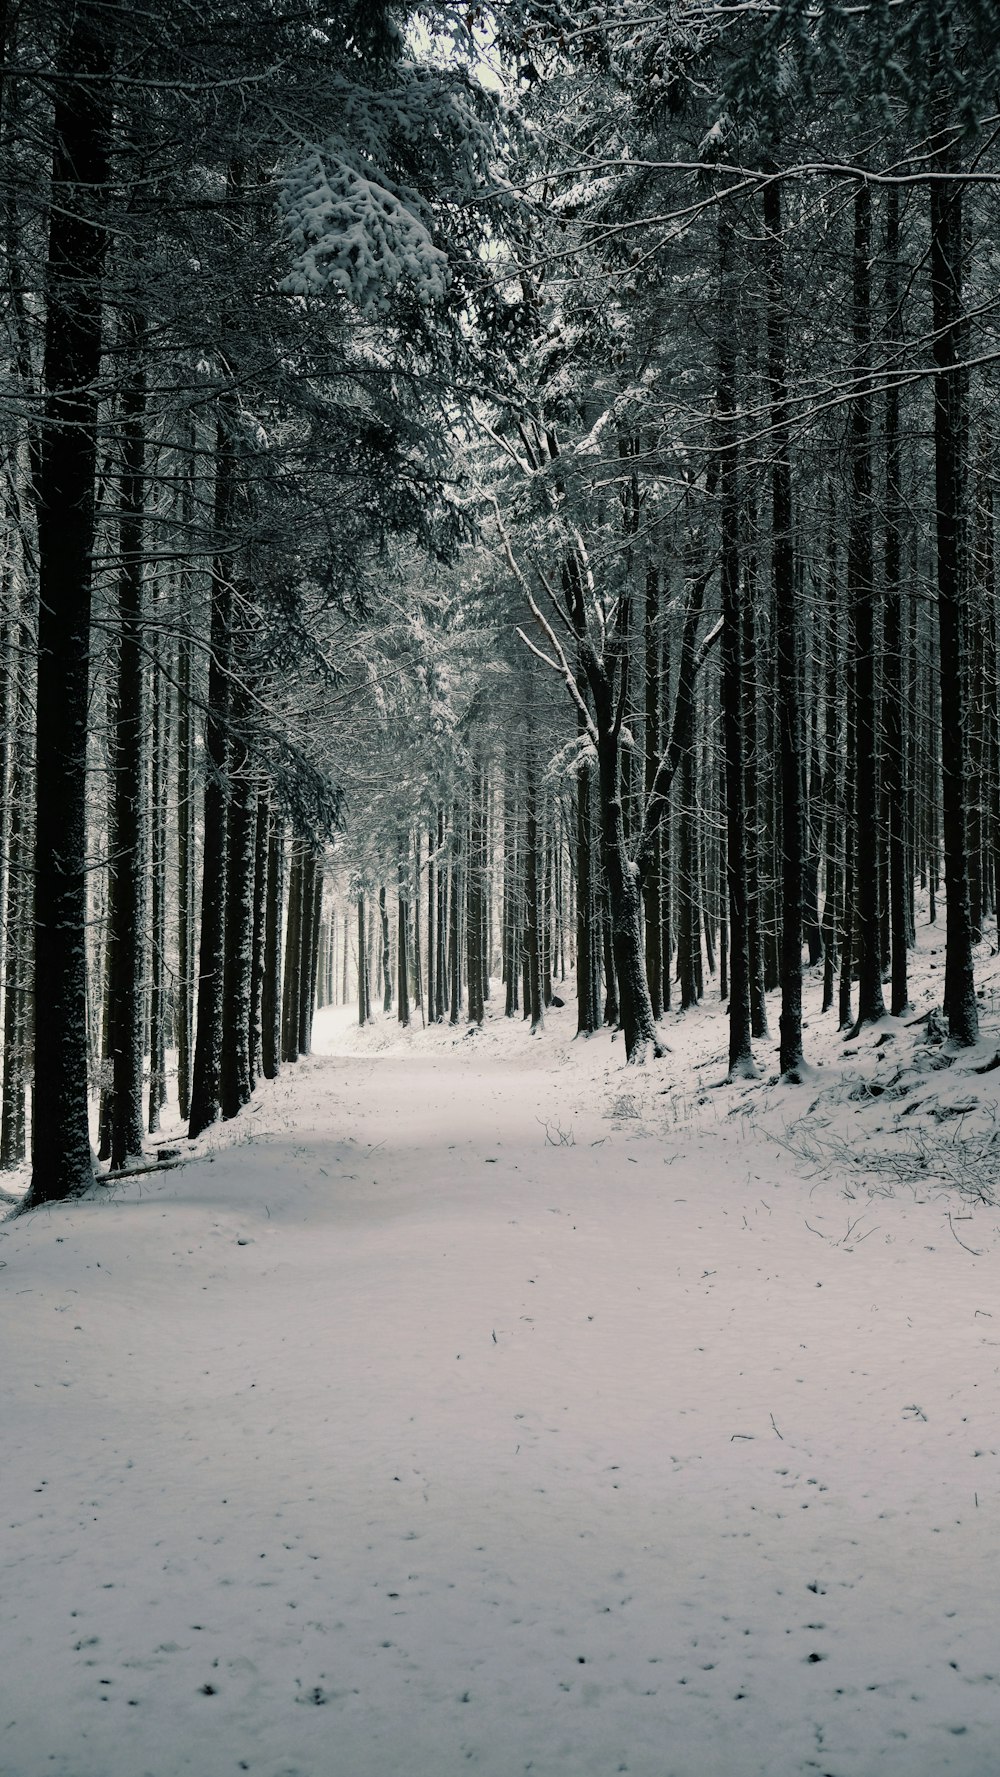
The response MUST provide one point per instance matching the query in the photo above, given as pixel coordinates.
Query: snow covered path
(399, 1440)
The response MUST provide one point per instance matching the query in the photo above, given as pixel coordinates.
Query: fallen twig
(111, 1178)
(976, 1251)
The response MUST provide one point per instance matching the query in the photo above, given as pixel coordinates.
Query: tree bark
(950, 446)
(861, 592)
(271, 988)
(383, 912)
(18, 959)
(364, 1000)
(241, 838)
(262, 856)
(185, 823)
(787, 645)
(206, 1080)
(652, 888)
(402, 936)
(532, 936)
(62, 1161)
(292, 972)
(895, 765)
(741, 1062)
(158, 893)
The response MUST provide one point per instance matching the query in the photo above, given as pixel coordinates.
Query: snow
(472, 1403)
(351, 232)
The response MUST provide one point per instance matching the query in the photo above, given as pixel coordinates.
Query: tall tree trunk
(441, 961)
(741, 1062)
(127, 900)
(158, 894)
(383, 913)
(432, 1000)
(624, 902)
(832, 767)
(950, 447)
(532, 909)
(62, 1161)
(291, 980)
(206, 1080)
(588, 973)
(652, 888)
(241, 845)
(270, 1016)
(455, 922)
(262, 852)
(312, 909)
(18, 959)
(688, 908)
(185, 830)
(751, 742)
(787, 647)
(402, 935)
(512, 917)
(476, 903)
(861, 604)
(364, 999)
(894, 766)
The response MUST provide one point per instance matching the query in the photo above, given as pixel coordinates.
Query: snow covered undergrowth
(484, 1407)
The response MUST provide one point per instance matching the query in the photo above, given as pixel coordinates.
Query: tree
(62, 1163)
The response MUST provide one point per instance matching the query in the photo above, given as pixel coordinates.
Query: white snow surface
(472, 1404)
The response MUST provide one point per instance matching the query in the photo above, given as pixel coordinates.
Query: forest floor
(472, 1404)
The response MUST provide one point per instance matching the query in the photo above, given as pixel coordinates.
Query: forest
(490, 494)
(499, 888)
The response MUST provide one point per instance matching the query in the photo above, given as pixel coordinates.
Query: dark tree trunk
(588, 972)
(383, 913)
(62, 1160)
(312, 910)
(787, 647)
(416, 948)
(241, 845)
(127, 901)
(751, 739)
(206, 1080)
(432, 1000)
(512, 912)
(291, 980)
(185, 851)
(532, 911)
(158, 895)
(402, 936)
(652, 887)
(688, 909)
(364, 1000)
(624, 904)
(611, 1014)
(441, 960)
(950, 447)
(455, 923)
(861, 605)
(271, 988)
(741, 1062)
(476, 904)
(255, 1044)
(832, 766)
(894, 765)
(18, 949)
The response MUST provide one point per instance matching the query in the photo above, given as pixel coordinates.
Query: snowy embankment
(482, 1406)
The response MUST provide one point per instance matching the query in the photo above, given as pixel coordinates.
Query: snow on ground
(474, 1405)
